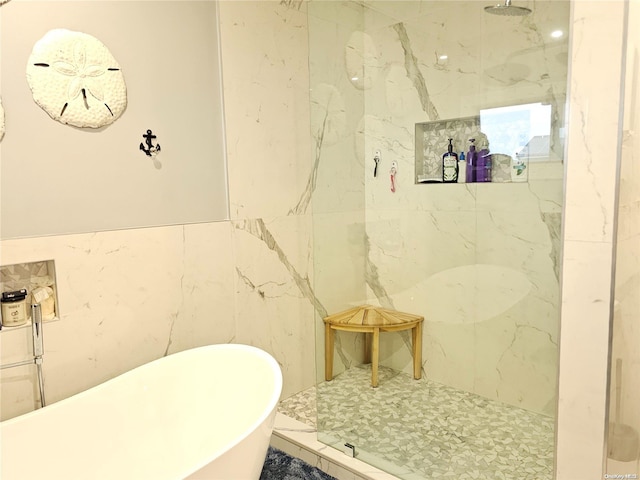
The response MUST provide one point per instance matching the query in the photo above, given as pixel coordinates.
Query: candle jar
(14, 308)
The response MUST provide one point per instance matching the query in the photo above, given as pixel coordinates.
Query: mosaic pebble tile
(435, 430)
(301, 406)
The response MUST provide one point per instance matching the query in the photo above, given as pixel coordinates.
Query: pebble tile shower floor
(435, 430)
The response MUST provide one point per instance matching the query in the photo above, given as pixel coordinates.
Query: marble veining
(293, 4)
(258, 228)
(372, 277)
(414, 73)
(553, 221)
(306, 196)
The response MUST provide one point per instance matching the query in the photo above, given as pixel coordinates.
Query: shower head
(507, 10)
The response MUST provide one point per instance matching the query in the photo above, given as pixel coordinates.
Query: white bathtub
(205, 413)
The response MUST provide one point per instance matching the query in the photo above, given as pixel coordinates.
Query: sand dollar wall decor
(76, 80)
(100, 174)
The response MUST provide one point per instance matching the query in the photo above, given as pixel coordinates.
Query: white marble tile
(530, 198)
(517, 364)
(471, 285)
(587, 242)
(205, 315)
(338, 160)
(131, 296)
(583, 359)
(266, 90)
(448, 352)
(339, 256)
(337, 149)
(405, 247)
(593, 123)
(118, 293)
(274, 298)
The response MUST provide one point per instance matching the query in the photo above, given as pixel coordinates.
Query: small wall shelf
(509, 138)
(432, 139)
(39, 279)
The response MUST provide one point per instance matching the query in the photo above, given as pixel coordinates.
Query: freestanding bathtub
(204, 413)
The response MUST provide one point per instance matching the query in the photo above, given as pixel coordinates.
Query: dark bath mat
(282, 466)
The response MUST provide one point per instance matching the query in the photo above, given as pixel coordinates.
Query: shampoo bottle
(472, 162)
(462, 168)
(484, 166)
(450, 165)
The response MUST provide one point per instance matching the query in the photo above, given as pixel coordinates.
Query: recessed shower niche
(500, 145)
(37, 281)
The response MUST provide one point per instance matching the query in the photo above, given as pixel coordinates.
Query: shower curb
(300, 440)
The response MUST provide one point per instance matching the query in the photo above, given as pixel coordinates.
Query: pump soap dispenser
(450, 165)
(462, 168)
(472, 162)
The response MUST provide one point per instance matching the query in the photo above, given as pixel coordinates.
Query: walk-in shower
(479, 261)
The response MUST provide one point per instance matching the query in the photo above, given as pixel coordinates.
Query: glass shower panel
(623, 440)
(479, 261)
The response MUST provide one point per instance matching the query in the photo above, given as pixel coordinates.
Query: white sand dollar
(76, 80)
(1, 120)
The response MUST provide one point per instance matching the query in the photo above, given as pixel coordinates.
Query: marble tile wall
(130, 296)
(588, 237)
(480, 262)
(271, 180)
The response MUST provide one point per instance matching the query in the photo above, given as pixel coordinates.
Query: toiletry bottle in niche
(472, 162)
(450, 165)
(483, 171)
(14, 308)
(462, 168)
(518, 169)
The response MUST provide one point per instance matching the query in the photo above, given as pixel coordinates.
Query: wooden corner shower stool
(372, 320)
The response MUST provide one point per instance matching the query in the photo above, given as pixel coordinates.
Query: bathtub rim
(267, 412)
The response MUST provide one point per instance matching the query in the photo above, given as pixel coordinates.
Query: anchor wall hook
(151, 150)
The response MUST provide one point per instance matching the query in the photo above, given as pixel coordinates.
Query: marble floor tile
(433, 430)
